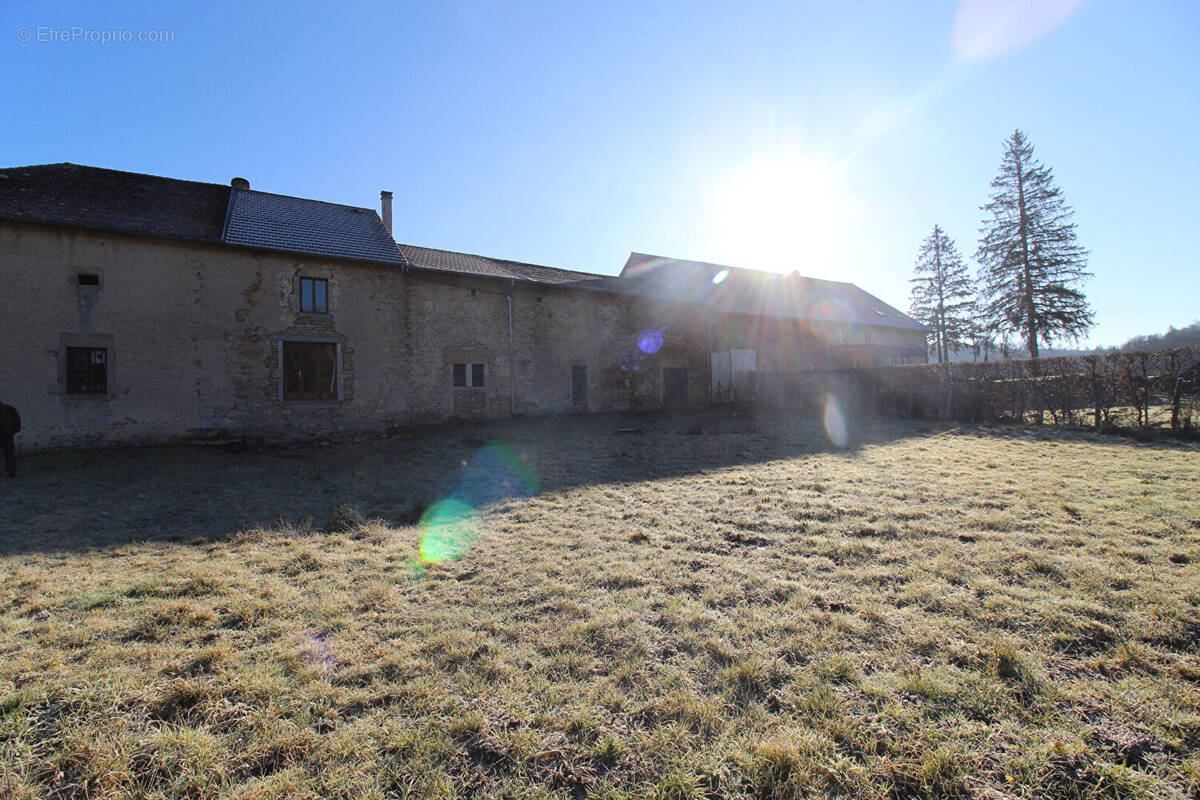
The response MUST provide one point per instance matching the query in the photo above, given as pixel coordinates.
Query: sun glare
(779, 215)
(986, 29)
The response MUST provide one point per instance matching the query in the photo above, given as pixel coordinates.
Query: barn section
(570, 345)
(757, 322)
(147, 309)
(490, 337)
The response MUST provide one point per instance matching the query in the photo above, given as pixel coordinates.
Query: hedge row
(1077, 390)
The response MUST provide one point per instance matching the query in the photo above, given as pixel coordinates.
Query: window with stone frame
(87, 370)
(314, 295)
(466, 375)
(310, 371)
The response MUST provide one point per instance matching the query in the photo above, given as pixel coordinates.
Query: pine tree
(1032, 268)
(942, 294)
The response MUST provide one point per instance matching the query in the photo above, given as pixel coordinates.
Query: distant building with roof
(138, 308)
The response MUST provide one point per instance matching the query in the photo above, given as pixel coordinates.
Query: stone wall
(624, 342)
(193, 339)
(553, 331)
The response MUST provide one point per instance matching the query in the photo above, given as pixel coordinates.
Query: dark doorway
(675, 389)
(579, 388)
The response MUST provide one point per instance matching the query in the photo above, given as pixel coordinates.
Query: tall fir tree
(1031, 266)
(943, 294)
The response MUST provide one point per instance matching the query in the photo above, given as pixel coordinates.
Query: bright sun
(780, 215)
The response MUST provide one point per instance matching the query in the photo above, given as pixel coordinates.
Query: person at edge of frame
(10, 426)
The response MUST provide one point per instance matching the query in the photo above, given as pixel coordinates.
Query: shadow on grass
(80, 500)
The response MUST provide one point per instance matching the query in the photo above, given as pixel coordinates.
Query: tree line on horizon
(1171, 339)
(1028, 285)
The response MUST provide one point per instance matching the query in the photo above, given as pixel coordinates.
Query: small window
(310, 371)
(845, 335)
(87, 370)
(88, 279)
(313, 295)
(468, 375)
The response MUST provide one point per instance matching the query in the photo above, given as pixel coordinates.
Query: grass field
(743, 611)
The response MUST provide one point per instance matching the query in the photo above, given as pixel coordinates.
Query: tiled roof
(296, 225)
(741, 291)
(426, 258)
(748, 291)
(112, 201)
(147, 205)
(549, 275)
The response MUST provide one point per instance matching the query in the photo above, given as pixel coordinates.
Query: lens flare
(835, 423)
(448, 528)
(650, 341)
(986, 29)
(720, 276)
(494, 472)
(447, 531)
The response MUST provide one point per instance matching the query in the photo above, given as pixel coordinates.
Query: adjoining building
(138, 308)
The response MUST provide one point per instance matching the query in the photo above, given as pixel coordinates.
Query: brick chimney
(385, 203)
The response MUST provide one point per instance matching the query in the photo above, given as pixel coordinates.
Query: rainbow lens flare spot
(835, 423)
(720, 276)
(447, 531)
(450, 526)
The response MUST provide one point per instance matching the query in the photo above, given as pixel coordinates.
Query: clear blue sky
(825, 137)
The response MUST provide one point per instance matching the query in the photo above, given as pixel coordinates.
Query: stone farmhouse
(138, 308)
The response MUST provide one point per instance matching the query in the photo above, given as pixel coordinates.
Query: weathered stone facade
(554, 330)
(194, 337)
